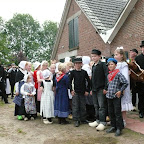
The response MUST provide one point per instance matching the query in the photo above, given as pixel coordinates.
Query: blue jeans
(99, 100)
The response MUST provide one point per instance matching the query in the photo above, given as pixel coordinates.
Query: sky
(40, 10)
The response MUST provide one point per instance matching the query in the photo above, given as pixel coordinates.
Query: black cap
(142, 44)
(134, 50)
(95, 51)
(78, 59)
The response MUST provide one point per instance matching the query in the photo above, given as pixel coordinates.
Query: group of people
(7, 81)
(79, 89)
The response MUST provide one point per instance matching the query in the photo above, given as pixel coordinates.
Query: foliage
(5, 52)
(24, 34)
(48, 36)
(23, 38)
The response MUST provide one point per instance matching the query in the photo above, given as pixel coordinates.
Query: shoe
(19, 117)
(32, 118)
(118, 132)
(141, 115)
(77, 124)
(45, 121)
(107, 119)
(111, 130)
(100, 127)
(93, 124)
(108, 123)
(70, 117)
(63, 121)
(124, 122)
(134, 109)
(7, 103)
(59, 120)
(25, 119)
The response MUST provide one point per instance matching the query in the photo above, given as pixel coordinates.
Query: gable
(107, 16)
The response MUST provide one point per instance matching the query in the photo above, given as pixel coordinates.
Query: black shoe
(111, 130)
(118, 132)
(7, 103)
(141, 115)
(63, 121)
(59, 120)
(77, 124)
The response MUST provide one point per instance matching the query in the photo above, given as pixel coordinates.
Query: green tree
(48, 36)
(5, 52)
(24, 34)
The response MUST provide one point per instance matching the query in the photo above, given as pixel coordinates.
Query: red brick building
(100, 24)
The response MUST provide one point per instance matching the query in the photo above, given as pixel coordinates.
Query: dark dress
(61, 107)
(18, 100)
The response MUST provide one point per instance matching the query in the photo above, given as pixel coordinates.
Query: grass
(128, 133)
(21, 131)
(2, 103)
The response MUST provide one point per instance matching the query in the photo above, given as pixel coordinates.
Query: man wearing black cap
(79, 78)
(133, 54)
(99, 85)
(140, 85)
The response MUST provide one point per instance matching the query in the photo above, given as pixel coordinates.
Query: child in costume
(99, 85)
(80, 90)
(18, 100)
(28, 91)
(126, 100)
(117, 83)
(61, 107)
(47, 98)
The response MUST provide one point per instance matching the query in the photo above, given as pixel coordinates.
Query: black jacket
(99, 76)
(2, 74)
(81, 79)
(140, 61)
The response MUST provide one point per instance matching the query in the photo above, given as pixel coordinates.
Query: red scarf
(59, 77)
(112, 74)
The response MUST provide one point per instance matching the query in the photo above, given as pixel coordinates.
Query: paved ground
(135, 123)
(13, 131)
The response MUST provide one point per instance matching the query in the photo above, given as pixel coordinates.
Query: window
(126, 54)
(73, 33)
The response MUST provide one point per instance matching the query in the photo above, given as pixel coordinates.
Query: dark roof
(103, 13)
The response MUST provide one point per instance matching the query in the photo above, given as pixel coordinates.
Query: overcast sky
(40, 10)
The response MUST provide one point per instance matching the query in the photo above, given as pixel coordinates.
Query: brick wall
(129, 36)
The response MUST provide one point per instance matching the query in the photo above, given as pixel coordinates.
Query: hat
(112, 60)
(67, 59)
(36, 65)
(22, 64)
(46, 73)
(13, 64)
(95, 51)
(134, 50)
(78, 59)
(142, 44)
(86, 59)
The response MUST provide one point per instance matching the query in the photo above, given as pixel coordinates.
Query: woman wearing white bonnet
(89, 101)
(86, 66)
(67, 59)
(36, 65)
(44, 66)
